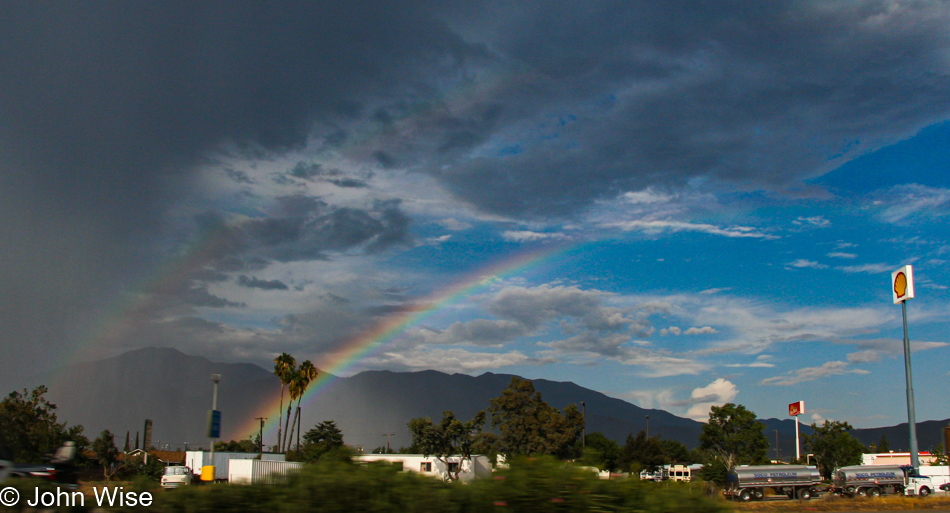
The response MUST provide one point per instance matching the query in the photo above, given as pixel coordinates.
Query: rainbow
(385, 333)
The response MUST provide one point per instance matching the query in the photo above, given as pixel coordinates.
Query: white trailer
(197, 460)
(476, 467)
(261, 471)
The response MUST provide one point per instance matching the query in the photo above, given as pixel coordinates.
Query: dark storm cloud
(257, 283)
(106, 108)
(759, 95)
(314, 172)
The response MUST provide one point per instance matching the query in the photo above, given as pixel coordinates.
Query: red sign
(796, 408)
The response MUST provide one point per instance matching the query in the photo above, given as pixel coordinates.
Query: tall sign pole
(902, 287)
(795, 409)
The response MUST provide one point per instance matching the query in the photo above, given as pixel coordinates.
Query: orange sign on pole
(796, 408)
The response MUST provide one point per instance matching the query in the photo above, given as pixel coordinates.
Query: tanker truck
(874, 480)
(749, 482)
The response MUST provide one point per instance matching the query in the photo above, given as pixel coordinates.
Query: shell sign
(902, 284)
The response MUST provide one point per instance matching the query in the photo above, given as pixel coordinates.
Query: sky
(677, 204)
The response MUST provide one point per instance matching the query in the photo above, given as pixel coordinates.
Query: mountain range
(174, 390)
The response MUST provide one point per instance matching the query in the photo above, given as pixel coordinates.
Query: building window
(425, 466)
(453, 466)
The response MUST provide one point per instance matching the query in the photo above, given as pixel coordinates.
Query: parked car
(27, 470)
(5, 464)
(945, 487)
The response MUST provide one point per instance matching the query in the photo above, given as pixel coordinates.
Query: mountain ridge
(174, 390)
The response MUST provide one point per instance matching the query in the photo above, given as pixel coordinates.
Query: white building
(476, 467)
(895, 458)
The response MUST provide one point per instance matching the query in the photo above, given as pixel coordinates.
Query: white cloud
(818, 419)
(656, 227)
(839, 254)
(672, 330)
(480, 332)
(864, 357)
(715, 290)
(453, 224)
(705, 330)
(812, 373)
(449, 360)
(646, 196)
(801, 263)
(529, 236)
(717, 393)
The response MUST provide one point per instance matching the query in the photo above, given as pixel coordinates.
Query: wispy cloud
(868, 268)
(801, 263)
(904, 202)
(812, 222)
(812, 373)
(839, 254)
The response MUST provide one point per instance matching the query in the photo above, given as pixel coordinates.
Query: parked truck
(875, 480)
(748, 482)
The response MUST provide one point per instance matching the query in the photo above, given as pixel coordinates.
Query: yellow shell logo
(900, 285)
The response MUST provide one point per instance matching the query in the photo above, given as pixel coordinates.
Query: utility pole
(648, 427)
(776, 445)
(260, 437)
(214, 428)
(387, 435)
(584, 436)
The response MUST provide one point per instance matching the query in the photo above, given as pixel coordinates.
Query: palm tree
(284, 367)
(302, 379)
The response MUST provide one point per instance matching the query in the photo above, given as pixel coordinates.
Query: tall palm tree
(305, 375)
(284, 367)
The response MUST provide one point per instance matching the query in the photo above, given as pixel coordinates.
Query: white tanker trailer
(874, 480)
(749, 482)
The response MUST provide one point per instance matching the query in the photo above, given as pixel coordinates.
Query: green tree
(600, 452)
(833, 446)
(245, 445)
(640, 452)
(29, 427)
(284, 368)
(676, 452)
(733, 436)
(883, 445)
(107, 454)
(323, 438)
(450, 437)
(528, 425)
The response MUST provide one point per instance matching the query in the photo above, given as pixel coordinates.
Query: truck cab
(876, 480)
